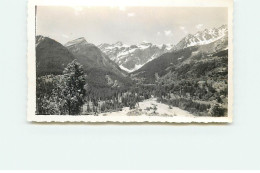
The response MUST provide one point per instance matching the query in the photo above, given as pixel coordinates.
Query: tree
(72, 89)
(46, 96)
(88, 108)
(217, 110)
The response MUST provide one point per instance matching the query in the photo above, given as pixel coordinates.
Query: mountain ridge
(202, 37)
(133, 57)
(96, 64)
(186, 55)
(51, 56)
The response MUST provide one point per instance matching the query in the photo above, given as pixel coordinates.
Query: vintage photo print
(130, 61)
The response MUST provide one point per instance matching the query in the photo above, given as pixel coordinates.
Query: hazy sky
(131, 25)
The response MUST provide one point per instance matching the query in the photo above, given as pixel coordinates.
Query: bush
(217, 110)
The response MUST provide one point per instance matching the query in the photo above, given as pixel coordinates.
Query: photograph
(130, 85)
(130, 63)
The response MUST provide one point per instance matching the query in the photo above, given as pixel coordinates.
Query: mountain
(133, 57)
(101, 71)
(203, 37)
(51, 56)
(193, 78)
(178, 59)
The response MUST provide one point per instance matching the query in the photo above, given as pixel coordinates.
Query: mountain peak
(205, 36)
(223, 26)
(39, 39)
(51, 56)
(119, 43)
(145, 43)
(132, 57)
(76, 41)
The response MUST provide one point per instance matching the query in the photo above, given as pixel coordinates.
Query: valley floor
(150, 107)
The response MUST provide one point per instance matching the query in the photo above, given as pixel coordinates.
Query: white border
(132, 171)
(31, 100)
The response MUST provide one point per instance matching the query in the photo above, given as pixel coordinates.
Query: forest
(67, 93)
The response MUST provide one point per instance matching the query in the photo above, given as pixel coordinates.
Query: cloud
(158, 33)
(168, 33)
(130, 14)
(184, 29)
(199, 26)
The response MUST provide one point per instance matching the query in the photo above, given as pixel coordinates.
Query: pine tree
(72, 89)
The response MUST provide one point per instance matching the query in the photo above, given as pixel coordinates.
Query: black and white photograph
(130, 85)
(132, 63)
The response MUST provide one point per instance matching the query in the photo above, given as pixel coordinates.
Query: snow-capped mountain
(133, 57)
(203, 37)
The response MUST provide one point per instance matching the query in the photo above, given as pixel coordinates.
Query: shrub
(217, 110)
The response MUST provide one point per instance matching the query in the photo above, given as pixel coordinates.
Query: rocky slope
(203, 37)
(131, 58)
(177, 59)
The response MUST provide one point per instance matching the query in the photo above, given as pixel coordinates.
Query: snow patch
(131, 70)
(125, 69)
(145, 108)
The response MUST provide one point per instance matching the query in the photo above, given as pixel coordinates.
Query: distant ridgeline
(192, 75)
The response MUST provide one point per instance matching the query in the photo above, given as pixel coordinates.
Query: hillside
(51, 56)
(194, 78)
(101, 71)
(176, 59)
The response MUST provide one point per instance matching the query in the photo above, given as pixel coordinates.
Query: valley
(149, 107)
(131, 58)
(188, 79)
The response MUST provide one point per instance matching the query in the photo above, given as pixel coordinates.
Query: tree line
(61, 94)
(69, 93)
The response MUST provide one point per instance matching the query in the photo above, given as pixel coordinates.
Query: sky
(130, 25)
